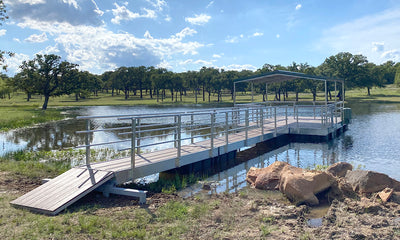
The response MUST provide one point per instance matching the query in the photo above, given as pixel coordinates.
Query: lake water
(372, 141)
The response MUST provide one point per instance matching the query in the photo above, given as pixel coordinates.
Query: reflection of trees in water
(56, 135)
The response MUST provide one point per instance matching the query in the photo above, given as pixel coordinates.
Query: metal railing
(148, 132)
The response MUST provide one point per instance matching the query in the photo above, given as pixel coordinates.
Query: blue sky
(182, 35)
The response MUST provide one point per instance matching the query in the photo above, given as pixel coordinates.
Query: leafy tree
(346, 66)
(25, 81)
(397, 77)
(5, 87)
(48, 74)
(3, 17)
(388, 72)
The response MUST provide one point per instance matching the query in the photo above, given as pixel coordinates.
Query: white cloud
(231, 39)
(30, 2)
(164, 64)
(185, 32)
(72, 3)
(15, 61)
(216, 56)
(35, 38)
(278, 35)
(393, 55)
(356, 36)
(238, 67)
(168, 18)
(17, 40)
(378, 46)
(147, 35)
(203, 62)
(50, 50)
(198, 19)
(258, 34)
(122, 13)
(3, 32)
(210, 4)
(158, 4)
(298, 6)
(97, 49)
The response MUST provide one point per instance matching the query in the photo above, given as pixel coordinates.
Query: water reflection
(304, 155)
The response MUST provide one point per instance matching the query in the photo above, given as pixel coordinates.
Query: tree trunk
(29, 96)
(297, 96)
(195, 95)
(46, 101)
(126, 94)
(369, 91)
(76, 96)
(204, 98)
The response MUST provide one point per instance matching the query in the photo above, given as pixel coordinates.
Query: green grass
(170, 221)
(387, 94)
(16, 117)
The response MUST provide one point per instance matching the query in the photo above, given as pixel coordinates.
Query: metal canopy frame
(279, 76)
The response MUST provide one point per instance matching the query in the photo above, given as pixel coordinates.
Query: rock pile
(339, 180)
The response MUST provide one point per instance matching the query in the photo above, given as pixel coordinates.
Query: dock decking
(60, 192)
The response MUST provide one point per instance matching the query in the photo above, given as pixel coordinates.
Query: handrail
(188, 127)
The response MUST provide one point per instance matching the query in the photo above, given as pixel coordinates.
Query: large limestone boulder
(364, 181)
(301, 186)
(339, 169)
(266, 178)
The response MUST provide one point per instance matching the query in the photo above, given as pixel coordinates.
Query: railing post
(191, 128)
(138, 133)
(322, 116)
(179, 139)
(247, 124)
(176, 131)
(286, 115)
(133, 143)
(226, 131)
(212, 133)
(275, 123)
(314, 108)
(297, 118)
(87, 142)
(262, 123)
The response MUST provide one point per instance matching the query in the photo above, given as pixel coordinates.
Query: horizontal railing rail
(174, 130)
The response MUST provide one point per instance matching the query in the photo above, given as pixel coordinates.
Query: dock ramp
(62, 191)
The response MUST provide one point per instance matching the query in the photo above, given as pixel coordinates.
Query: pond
(372, 141)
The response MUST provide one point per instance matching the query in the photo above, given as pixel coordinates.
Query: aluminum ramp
(62, 191)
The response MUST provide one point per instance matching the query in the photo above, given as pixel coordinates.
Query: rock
(252, 175)
(301, 186)
(266, 178)
(395, 197)
(364, 181)
(339, 169)
(385, 194)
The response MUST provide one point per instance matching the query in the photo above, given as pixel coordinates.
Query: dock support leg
(110, 188)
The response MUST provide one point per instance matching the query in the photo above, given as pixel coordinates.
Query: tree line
(49, 76)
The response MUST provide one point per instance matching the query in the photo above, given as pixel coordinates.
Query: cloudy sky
(181, 35)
